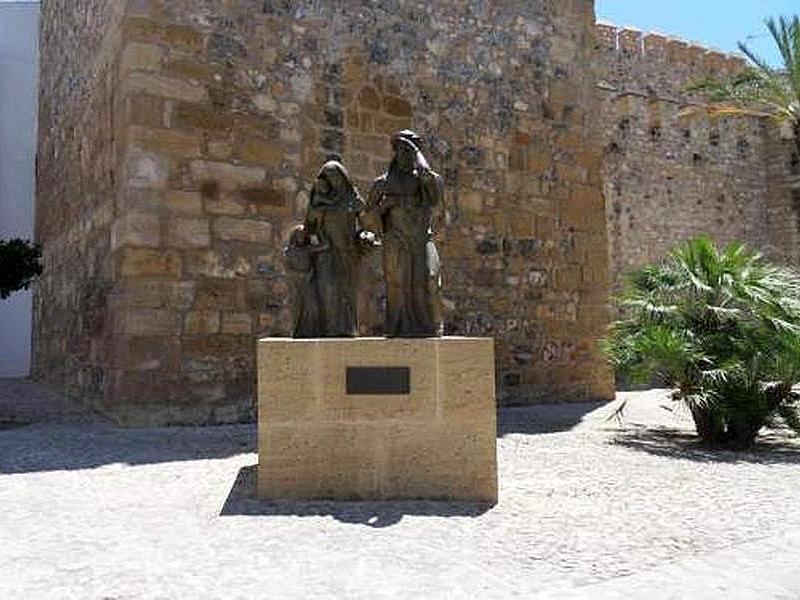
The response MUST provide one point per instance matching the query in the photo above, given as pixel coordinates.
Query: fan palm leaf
(761, 89)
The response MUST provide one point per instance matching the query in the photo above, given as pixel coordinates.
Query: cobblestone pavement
(589, 508)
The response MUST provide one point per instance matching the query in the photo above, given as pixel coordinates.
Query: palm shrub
(720, 327)
(761, 89)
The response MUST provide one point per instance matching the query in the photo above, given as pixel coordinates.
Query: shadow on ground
(772, 447)
(53, 447)
(243, 500)
(546, 418)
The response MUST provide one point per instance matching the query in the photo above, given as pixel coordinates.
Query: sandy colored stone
(140, 57)
(227, 176)
(164, 141)
(316, 441)
(243, 230)
(140, 262)
(237, 323)
(220, 149)
(189, 203)
(164, 87)
(136, 229)
(261, 152)
(148, 321)
(187, 232)
(201, 322)
(147, 170)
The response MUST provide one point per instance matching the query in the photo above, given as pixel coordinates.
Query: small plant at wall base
(762, 90)
(20, 264)
(722, 328)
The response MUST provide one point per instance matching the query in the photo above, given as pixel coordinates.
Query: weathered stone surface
(244, 230)
(262, 152)
(149, 263)
(78, 178)
(188, 203)
(202, 322)
(164, 141)
(237, 323)
(187, 232)
(164, 87)
(156, 293)
(140, 57)
(146, 169)
(227, 176)
(147, 321)
(136, 229)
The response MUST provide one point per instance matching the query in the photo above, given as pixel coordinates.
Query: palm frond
(760, 89)
(719, 325)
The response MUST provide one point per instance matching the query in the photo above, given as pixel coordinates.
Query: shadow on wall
(243, 500)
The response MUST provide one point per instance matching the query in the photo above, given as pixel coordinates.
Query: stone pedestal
(377, 419)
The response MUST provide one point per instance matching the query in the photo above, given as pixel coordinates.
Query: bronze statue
(299, 257)
(407, 201)
(323, 255)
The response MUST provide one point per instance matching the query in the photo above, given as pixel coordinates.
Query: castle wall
(223, 112)
(670, 172)
(77, 183)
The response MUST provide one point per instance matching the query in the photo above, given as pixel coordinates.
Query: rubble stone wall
(222, 113)
(670, 172)
(78, 178)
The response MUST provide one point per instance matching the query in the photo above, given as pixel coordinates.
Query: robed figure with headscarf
(323, 258)
(406, 201)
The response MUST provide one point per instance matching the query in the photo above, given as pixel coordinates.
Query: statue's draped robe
(334, 221)
(305, 302)
(405, 205)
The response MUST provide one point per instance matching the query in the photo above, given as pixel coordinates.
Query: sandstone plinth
(323, 435)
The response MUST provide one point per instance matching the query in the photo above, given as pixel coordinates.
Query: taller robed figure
(406, 202)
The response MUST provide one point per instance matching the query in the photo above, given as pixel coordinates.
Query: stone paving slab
(589, 508)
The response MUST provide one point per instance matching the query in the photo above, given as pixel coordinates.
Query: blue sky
(719, 24)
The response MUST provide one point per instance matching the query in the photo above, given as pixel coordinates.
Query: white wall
(19, 67)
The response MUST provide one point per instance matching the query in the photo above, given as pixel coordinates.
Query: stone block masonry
(77, 184)
(179, 141)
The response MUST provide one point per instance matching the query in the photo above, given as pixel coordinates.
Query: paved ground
(589, 509)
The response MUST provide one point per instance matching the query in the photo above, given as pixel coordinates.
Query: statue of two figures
(400, 216)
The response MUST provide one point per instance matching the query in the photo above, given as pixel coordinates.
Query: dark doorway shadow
(243, 500)
(772, 447)
(545, 418)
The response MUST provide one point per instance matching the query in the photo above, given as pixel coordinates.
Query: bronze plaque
(378, 381)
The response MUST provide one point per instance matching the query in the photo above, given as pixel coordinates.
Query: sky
(718, 24)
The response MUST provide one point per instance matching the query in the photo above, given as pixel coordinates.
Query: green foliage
(761, 89)
(721, 327)
(20, 263)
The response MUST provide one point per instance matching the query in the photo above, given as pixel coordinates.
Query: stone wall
(671, 174)
(222, 112)
(78, 178)
(783, 176)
